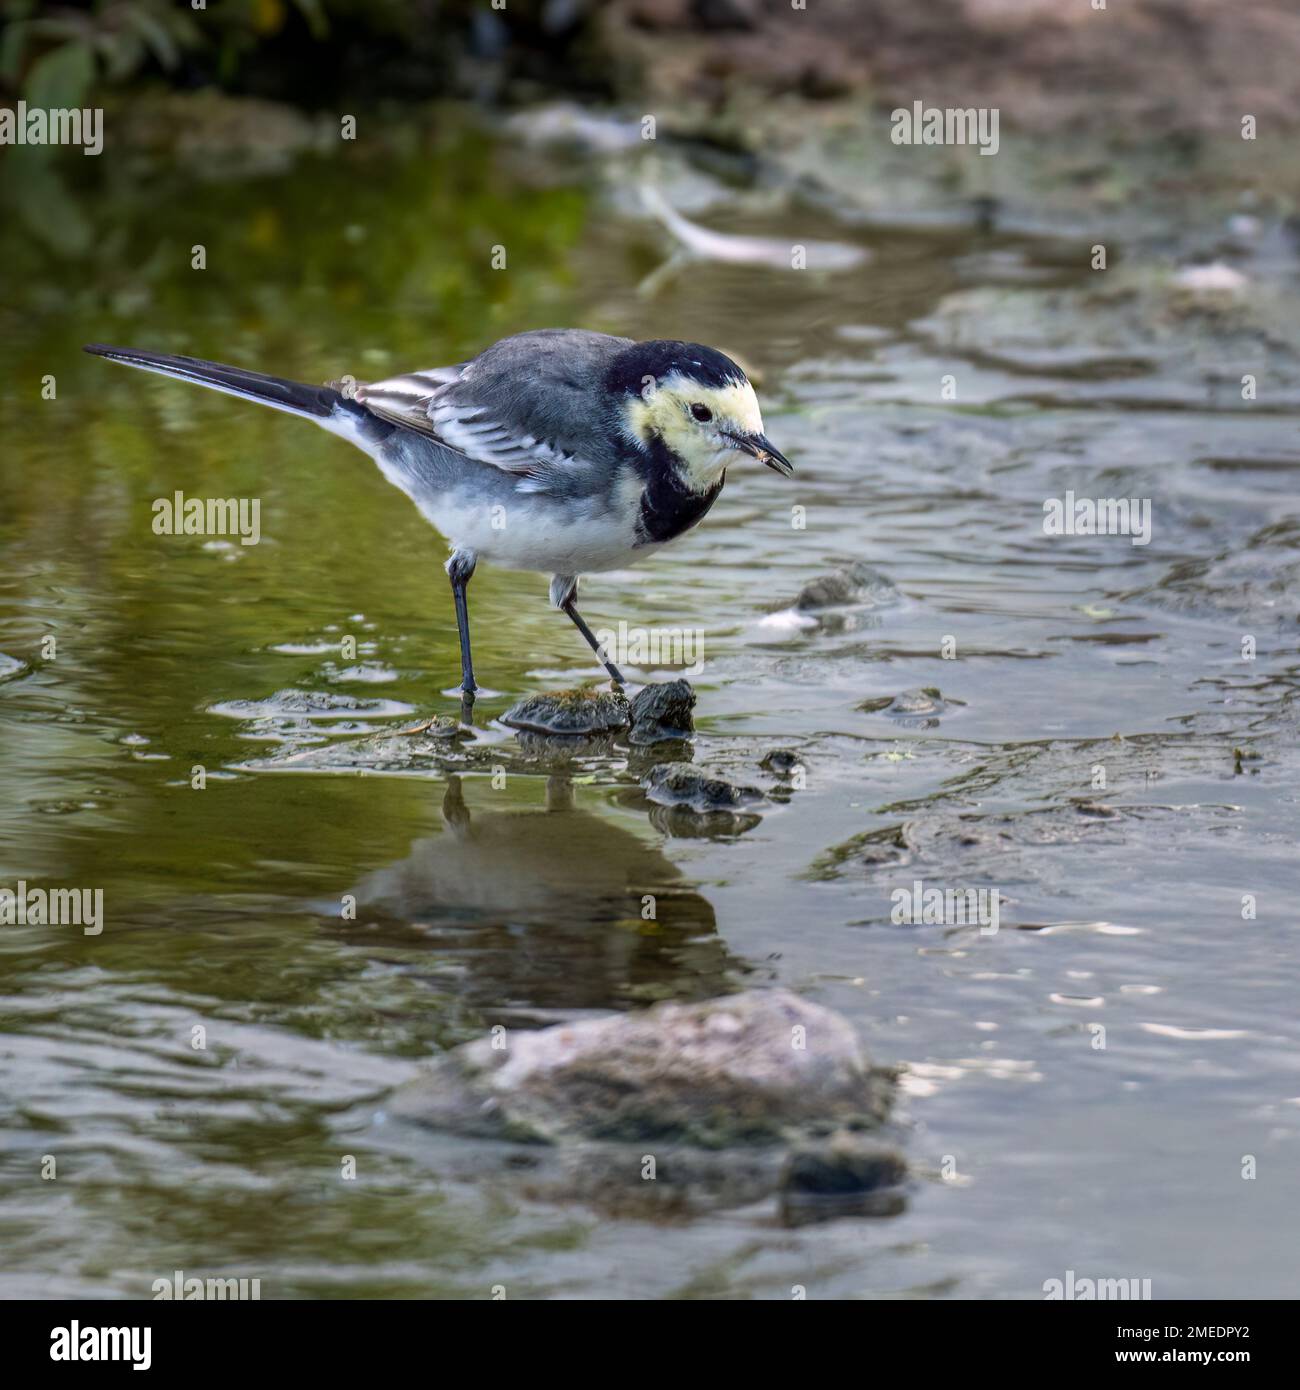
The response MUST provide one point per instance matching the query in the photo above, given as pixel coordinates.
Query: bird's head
(695, 405)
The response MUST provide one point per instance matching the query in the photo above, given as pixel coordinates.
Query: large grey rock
(757, 1068)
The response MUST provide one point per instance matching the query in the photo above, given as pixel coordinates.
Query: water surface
(516, 899)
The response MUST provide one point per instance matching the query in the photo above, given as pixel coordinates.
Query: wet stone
(1001, 848)
(924, 700)
(856, 586)
(413, 750)
(841, 1166)
(309, 704)
(662, 712)
(887, 845)
(845, 1175)
(440, 726)
(687, 1182)
(1254, 583)
(684, 784)
(562, 712)
(780, 761)
(712, 1074)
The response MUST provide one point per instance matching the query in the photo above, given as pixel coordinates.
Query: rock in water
(843, 1167)
(683, 784)
(752, 1068)
(843, 1176)
(856, 586)
(925, 699)
(439, 726)
(570, 712)
(661, 712)
(780, 761)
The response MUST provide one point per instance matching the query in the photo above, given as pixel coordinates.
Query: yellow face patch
(702, 446)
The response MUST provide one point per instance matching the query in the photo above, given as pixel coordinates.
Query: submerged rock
(662, 712)
(871, 849)
(757, 1068)
(911, 704)
(856, 586)
(1255, 582)
(562, 712)
(780, 761)
(439, 726)
(683, 784)
(844, 1176)
(420, 750)
(310, 704)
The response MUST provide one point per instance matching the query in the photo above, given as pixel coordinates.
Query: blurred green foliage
(304, 51)
(56, 55)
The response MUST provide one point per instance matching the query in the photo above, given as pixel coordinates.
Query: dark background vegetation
(1175, 64)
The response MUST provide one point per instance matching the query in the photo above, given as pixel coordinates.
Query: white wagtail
(559, 450)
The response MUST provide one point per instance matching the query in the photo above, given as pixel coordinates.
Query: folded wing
(532, 405)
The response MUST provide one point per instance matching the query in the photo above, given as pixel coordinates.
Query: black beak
(763, 450)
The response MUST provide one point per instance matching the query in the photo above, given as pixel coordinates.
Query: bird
(557, 450)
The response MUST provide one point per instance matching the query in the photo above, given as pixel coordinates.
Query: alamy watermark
(1074, 1288)
(38, 125)
(179, 515)
(946, 907)
(653, 646)
(53, 907)
(77, 1343)
(1100, 516)
(194, 1289)
(948, 125)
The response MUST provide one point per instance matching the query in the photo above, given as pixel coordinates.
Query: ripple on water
(502, 909)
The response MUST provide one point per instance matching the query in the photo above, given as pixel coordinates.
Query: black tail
(323, 404)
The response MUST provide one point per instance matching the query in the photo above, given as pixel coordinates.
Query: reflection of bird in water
(549, 909)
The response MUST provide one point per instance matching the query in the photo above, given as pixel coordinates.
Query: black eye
(701, 412)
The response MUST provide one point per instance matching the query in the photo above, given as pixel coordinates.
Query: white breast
(524, 530)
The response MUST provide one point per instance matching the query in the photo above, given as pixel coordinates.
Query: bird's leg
(614, 673)
(460, 569)
(564, 590)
